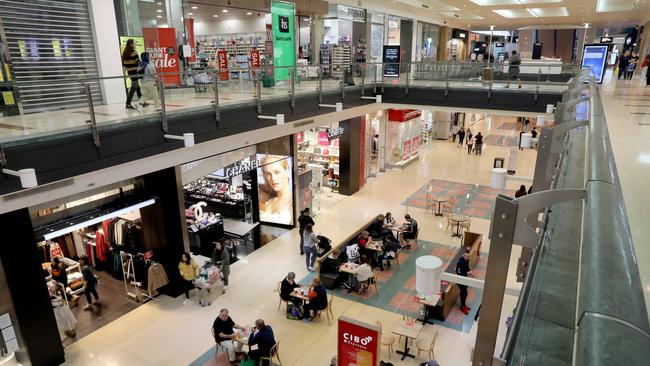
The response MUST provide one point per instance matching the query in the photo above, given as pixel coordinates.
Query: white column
(107, 50)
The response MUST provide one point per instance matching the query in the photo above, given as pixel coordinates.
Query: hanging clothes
(101, 245)
(157, 277)
(55, 250)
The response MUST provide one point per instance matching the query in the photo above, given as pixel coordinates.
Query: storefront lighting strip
(97, 220)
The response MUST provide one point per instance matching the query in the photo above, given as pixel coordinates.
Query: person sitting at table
(363, 239)
(411, 231)
(388, 219)
(362, 273)
(317, 300)
(263, 337)
(223, 329)
(331, 277)
(286, 288)
(389, 252)
(377, 228)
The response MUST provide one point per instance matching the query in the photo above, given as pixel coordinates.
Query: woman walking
(309, 242)
(461, 136)
(221, 257)
(470, 142)
(90, 283)
(189, 270)
(130, 62)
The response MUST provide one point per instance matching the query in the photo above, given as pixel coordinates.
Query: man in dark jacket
(264, 339)
(317, 299)
(463, 269)
(378, 230)
(303, 220)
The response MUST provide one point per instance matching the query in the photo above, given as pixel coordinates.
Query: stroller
(324, 245)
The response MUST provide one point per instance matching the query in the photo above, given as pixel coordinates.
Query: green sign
(284, 41)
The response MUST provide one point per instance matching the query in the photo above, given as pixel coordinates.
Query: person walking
(188, 270)
(631, 67)
(221, 257)
(148, 83)
(478, 140)
(309, 246)
(303, 220)
(513, 69)
(130, 62)
(454, 132)
(463, 269)
(470, 141)
(461, 136)
(90, 283)
(623, 63)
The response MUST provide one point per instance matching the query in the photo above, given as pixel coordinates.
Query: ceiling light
(249, 13)
(195, 7)
(224, 11)
(159, 10)
(216, 16)
(160, 3)
(158, 16)
(190, 13)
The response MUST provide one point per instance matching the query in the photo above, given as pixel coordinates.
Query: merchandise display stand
(128, 269)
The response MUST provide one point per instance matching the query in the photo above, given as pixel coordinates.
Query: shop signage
(241, 168)
(406, 150)
(189, 28)
(606, 39)
(222, 64)
(161, 45)
(255, 59)
(300, 137)
(357, 343)
(391, 60)
(354, 14)
(335, 133)
(457, 33)
(499, 44)
(283, 18)
(323, 138)
(403, 115)
(595, 56)
(197, 211)
(415, 144)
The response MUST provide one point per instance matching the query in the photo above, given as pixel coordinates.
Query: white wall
(254, 24)
(107, 49)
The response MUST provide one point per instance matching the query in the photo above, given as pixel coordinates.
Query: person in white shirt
(309, 242)
(363, 272)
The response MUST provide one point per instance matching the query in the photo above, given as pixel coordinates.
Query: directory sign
(594, 57)
(391, 61)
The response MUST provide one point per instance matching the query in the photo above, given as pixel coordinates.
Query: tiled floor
(165, 332)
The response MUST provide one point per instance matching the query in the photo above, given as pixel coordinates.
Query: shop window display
(404, 135)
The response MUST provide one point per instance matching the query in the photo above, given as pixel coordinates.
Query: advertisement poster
(284, 45)
(595, 56)
(415, 143)
(222, 64)
(305, 194)
(138, 42)
(161, 45)
(406, 150)
(323, 138)
(275, 189)
(391, 60)
(357, 343)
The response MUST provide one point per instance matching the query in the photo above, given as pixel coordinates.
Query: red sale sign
(255, 59)
(161, 45)
(222, 64)
(406, 150)
(358, 343)
(415, 143)
(323, 139)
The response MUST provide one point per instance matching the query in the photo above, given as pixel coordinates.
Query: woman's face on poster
(276, 176)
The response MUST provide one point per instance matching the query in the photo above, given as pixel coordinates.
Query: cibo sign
(358, 343)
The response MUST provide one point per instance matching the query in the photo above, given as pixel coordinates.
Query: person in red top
(363, 239)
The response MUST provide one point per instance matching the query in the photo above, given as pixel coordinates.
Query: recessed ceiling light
(158, 16)
(249, 13)
(224, 11)
(159, 10)
(190, 13)
(216, 16)
(195, 7)
(160, 3)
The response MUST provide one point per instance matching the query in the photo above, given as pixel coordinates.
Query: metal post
(374, 84)
(259, 94)
(91, 110)
(363, 79)
(320, 84)
(292, 72)
(408, 76)
(539, 76)
(163, 108)
(382, 77)
(217, 108)
(447, 66)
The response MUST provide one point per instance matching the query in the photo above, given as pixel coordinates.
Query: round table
(440, 201)
(457, 219)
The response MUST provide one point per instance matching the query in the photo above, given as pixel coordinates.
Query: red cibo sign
(358, 343)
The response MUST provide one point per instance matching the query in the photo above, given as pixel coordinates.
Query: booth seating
(332, 280)
(451, 293)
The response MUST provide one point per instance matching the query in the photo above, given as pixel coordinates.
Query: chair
(467, 224)
(423, 346)
(327, 310)
(397, 253)
(386, 339)
(450, 224)
(275, 353)
(414, 240)
(407, 318)
(372, 281)
(278, 289)
(218, 346)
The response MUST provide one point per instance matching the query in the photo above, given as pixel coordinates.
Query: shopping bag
(247, 362)
(294, 312)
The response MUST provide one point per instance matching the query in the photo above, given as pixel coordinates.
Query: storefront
(403, 137)
(427, 42)
(375, 143)
(457, 46)
(344, 39)
(400, 32)
(245, 191)
(132, 237)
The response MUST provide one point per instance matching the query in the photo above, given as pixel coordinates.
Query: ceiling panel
(494, 2)
(529, 2)
(550, 12)
(515, 13)
(614, 5)
(462, 15)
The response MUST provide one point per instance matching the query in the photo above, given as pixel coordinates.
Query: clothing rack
(128, 269)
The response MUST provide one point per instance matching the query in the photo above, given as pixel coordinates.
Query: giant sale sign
(222, 64)
(358, 343)
(162, 48)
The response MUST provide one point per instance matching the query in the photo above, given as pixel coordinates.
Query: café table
(440, 201)
(241, 339)
(301, 293)
(349, 269)
(407, 330)
(457, 219)
(428, 303)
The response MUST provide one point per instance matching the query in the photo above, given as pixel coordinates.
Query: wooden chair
(467, 224)
(386, 339)
(423, 346)
(372, 281)
(278, 289)
(397, 253)
(328, 310)
(275, 353)
(450, 224)
(407, 318)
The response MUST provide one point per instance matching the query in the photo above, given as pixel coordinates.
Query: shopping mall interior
(434, 182)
